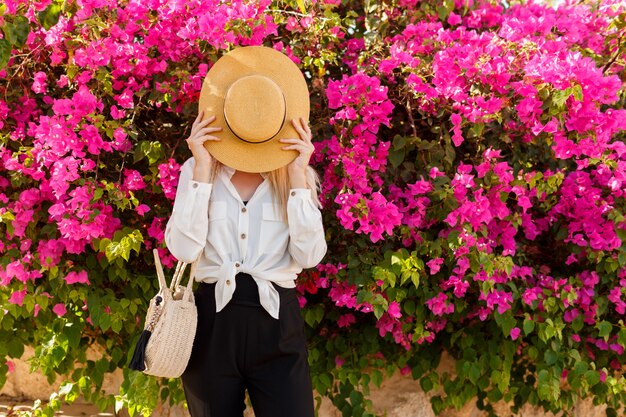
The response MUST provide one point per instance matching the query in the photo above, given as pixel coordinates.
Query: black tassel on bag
(138, 362)
(139, 356)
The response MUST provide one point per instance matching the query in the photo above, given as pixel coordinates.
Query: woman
(261, 230)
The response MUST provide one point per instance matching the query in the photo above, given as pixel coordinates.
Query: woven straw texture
(169, 347)
(172, 321)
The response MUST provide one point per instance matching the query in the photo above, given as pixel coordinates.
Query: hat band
(254, 108)
(282, 123)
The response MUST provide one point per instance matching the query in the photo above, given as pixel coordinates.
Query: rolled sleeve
(187, 227)
(307, 243)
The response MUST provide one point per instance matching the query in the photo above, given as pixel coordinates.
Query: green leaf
(50, 15)
(559, 97)
(105, 322)
(16, 32)
(301, 6)
(474, 372)
(5, 52)
(117, 325)
(437, 404)
(426, 383)
(399, 142)
(529, 326)
(325, 381)
(73, 333)
(578, 92)
(604, 329)
(506, 321)
(377, 378)
(409, 307)
(379, 309)
(385, 275)
(578, 323)
(15, 347)
(592, 377)
(396, 157)
(550, 357)
(442, 12)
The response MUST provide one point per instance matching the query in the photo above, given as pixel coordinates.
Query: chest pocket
(274, 232)
(218, 227)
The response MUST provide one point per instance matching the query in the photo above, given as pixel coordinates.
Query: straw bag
(164, 347)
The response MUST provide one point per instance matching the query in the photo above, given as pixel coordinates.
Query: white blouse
(250, 238)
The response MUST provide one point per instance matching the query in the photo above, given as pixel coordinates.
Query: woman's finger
(291, 140)
(206, 130)
(298, 128)
(209, 137)
(298, 147)
(210, 129)
(206, 121)
(307, 128)
(197, 124)
(201, 139)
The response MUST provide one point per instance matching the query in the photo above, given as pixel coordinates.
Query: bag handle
(178, 274)
(192, 278)
(180, 270)
(159, 268)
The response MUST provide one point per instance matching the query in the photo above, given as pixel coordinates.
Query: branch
(614, 57)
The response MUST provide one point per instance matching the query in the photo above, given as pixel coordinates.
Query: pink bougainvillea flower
(457, 137)
(302, 301)
(339, 361)
(439, 305)
(454, 19)
(345, 320)
(77, 278)
(394, 310)
(157, 229)
(17, 297)
(121, 142)
(434, 265)
(59, 309)
(117, 113)
(168, 178)
(515, 332)
(133, 180)
(142, 209)
(39, 84)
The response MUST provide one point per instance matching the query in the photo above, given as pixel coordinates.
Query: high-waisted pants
(243, 347)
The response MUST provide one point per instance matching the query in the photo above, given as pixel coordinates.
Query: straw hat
(254, 92)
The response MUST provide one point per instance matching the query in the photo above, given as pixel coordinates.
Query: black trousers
(243, 347)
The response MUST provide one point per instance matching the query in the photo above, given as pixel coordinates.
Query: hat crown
(254, 108)
(254, 93)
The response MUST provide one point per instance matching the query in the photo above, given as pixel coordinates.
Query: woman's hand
(297, 167)
(199, 135)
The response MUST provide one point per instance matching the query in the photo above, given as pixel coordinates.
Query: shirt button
(195, 185)
(243, 210)
(243, 235)
(237, 264)
(227, 282)
(293, 193)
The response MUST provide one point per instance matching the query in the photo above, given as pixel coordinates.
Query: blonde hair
(279, 184)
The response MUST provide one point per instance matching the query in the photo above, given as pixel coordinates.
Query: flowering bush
(473, 163)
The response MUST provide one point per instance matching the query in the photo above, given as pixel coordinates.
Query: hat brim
(240, 62)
